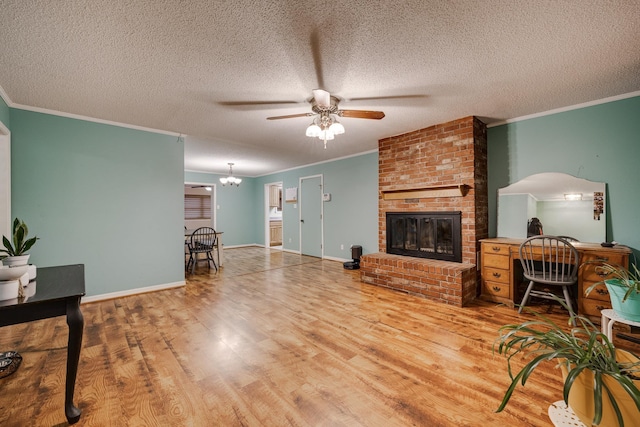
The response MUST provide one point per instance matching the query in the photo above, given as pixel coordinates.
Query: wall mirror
(566, 206)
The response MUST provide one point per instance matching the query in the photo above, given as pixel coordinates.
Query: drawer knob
(600, 307)
(602, 258)
(496, 288)
(496, 248)
(602, 291)
(602, 273)
(496, 274)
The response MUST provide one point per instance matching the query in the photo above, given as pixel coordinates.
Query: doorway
(273, 215)
(5, 181)
(311, 216)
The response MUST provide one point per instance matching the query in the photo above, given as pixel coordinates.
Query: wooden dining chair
(549, 261)
(202, 241)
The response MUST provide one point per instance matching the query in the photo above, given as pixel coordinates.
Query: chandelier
(325, 126)
(230, 179)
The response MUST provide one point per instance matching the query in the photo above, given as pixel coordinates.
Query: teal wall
(599, 143)
(350, 218)
(108, 197)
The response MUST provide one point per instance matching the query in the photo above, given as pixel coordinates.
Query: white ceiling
(214, 70)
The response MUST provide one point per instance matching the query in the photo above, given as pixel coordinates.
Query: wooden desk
(501, 272)
(57, 293)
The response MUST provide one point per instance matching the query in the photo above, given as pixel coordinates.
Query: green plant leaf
(19, 246)
(18, 237)
(7, 244)
(597, 397)
(27, 245)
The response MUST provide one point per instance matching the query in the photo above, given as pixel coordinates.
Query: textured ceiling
(215, 70)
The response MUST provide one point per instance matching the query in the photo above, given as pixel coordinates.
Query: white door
(311, 216)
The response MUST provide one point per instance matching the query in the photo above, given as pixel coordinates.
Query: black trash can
(356, 253)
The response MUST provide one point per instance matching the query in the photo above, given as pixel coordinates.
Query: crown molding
(569, 108)
(12, 104)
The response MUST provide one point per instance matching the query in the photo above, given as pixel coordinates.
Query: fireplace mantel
(459, 190)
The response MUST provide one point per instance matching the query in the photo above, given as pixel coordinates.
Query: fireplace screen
(435, 235)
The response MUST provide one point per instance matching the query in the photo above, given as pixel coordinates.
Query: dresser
(502, 273)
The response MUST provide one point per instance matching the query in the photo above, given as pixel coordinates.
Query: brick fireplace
(437, 169)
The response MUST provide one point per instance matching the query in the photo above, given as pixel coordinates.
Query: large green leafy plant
(19, 244)
(580, 348)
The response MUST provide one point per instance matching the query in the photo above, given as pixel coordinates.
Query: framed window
(197, 206)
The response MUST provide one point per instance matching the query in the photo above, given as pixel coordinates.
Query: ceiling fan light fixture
(326, 135)
(230, 179)
(313, 130)
(337, 128)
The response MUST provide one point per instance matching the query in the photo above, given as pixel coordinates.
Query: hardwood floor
(274, 339)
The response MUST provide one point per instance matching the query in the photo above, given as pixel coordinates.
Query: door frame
(267, 235)
(300, 202)
(5, 180)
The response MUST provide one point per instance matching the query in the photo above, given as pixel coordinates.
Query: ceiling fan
(324, 109)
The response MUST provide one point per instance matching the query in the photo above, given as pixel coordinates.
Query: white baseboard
(130, 292)
(331, 258)
(241, 246)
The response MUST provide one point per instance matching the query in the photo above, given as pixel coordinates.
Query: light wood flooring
(274, 339)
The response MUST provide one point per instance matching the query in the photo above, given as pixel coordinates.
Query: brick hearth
(429, 162)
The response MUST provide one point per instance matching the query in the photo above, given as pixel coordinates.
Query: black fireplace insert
(434, 235)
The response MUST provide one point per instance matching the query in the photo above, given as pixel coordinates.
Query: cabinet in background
(275, 233)
(275, 197)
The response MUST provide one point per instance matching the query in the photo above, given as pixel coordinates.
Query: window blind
(197, 206)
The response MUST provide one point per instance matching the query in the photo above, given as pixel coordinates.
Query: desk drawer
(600, 292)
(495, 275)
(495, 248)
(590, 272)
(495, 288)
(605, 257)
(592, 307)
(495, 261)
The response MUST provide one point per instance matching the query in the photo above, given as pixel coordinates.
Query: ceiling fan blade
(291, 116)
(314, 44)
(322, 97)
(390, 97)
(361, 114)
(240, 103)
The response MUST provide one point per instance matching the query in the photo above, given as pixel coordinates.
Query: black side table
(58, 293)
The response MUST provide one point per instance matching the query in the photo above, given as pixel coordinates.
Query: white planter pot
(9, 289)
(16, 260)
(32, 272)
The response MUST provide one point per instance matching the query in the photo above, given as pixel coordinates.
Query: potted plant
(624, 289)
(600, 382)
(16, 249)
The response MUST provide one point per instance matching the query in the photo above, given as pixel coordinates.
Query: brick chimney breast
(428, 165)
